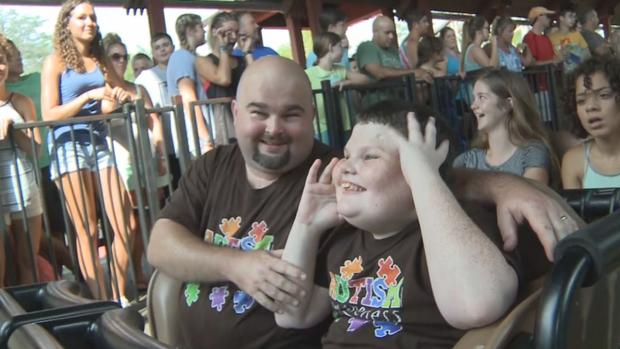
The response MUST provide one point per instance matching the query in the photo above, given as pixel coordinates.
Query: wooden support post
(388, 12)
(313, 10)
(294, 27)
(606, 21)
(155, 11)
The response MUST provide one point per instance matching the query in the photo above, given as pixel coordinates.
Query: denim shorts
(69, 157)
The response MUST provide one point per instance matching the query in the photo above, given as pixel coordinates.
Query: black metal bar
(50, 318)
(70, 233)
(194, 130)
(334, 119)
(22, 205)
(71, 121)
(554, 313)
(181, 130)
(104, 216)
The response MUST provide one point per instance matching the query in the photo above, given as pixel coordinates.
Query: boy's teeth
(351, 186)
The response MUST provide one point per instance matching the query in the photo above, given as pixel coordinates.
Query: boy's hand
(317, 207)
(419, 150)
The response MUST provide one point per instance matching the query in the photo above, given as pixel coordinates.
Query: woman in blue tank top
(475, 32)
(593, 96)
(451, 51)
(76, 82)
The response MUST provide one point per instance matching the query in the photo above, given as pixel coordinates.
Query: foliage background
(25, 31)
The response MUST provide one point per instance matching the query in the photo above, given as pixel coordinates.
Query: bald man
(379, 58)
(235, 206)
(243, 196)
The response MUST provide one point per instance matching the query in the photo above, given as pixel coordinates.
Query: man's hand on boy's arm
(459, 255)
(316, 214)
(263, 275)
(518, 201)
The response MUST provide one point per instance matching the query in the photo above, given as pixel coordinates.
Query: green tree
(25, 31)
(286, 51)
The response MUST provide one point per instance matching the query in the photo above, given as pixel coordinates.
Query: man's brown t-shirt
(216, 202)
(380, 290)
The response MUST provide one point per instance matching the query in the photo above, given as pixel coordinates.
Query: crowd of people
(276, 238)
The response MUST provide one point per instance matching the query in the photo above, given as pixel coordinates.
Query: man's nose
(273, 125)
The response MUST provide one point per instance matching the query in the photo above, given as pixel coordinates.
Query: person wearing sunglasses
(116, 53)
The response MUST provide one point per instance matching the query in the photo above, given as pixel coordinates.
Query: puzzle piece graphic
(258, 230)
(384, 328)
(356, 324)
(242, 302)
(191, 293)
(218, 297)
(230, 226)
(388, 270)
(351, 268)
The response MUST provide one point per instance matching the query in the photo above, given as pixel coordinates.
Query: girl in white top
(19, 193)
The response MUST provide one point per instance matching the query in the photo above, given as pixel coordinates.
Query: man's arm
(263, 275)
(518, 200)
(602, 49)
(380, 72)
(187, 90)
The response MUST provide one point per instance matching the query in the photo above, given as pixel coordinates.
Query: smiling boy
(407, 265)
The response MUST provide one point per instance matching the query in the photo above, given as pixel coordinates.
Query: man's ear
(235, 110)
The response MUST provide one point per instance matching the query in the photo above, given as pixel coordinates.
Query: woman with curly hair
(19, 193)
(594, 96)
(78, 82)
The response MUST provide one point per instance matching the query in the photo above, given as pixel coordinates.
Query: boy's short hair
(608, 66)
(568, 8)
(414, 16)
(584, 15)
(393, 113)
(140, 55)
(160, 35)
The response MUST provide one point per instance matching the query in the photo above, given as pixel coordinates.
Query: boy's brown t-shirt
(380, 290)
(215, 202)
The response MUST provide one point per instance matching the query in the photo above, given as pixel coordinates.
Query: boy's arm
(301, 251)
(316, 214)
(472, 282)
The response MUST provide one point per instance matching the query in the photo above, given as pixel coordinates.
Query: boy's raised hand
(317, 207)
(420, 150)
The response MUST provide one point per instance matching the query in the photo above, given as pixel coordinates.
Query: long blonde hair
(63, 42)
(524, 122)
